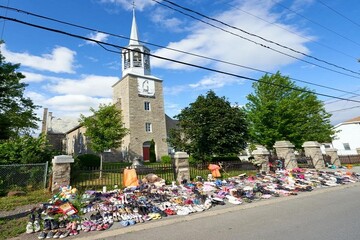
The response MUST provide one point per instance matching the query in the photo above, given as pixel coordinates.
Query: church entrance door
(146, 151)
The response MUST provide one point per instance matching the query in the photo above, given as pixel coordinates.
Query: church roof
(134, 35)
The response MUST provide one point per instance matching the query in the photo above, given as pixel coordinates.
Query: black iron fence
(112, 176)
(304, 162)
(227, 169)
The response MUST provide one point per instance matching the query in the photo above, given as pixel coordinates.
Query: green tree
(17, 114)
(104, 129)
(152, 151)
(280, 110)
(25, 149)
(210, 126)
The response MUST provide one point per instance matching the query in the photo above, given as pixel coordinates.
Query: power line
(343, 109)
(172, 60)
(339, 13)
(335, 101)
(316, 23)
(3, 27)
(172, 49)
(295, 33)
(257, 36)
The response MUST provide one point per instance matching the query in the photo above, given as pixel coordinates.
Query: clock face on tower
(146, 87)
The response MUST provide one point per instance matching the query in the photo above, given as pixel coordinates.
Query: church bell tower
(139, 95)
(135, 58)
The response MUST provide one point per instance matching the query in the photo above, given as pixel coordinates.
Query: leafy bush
(152, 151)
(84, 161)
(87, 161)
(25, 149)
(192, 160)
(166, 159)
(225, 159)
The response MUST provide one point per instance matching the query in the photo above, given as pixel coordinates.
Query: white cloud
(175, 90)
(37, 98)
(161, 17)
(98, 36)
(215, 81)
(224, 46)
(87, 85)
(92, 59)
(172, 109)
(73, 104)
(60, 60)
(33, 77)
(115, 65)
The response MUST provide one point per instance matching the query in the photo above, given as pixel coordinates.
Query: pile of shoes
(147, 202)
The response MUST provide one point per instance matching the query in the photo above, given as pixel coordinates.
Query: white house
(347, 140)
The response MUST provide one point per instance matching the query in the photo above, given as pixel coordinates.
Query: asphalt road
(325, 214)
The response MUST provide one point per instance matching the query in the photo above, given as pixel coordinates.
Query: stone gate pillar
(61, 171)
(312, 149)
(332, 152)
(262, 157)
(285, 149)
(182, 170)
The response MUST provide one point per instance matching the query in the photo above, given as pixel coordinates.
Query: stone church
(139, 96)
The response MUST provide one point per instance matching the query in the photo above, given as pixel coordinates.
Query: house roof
(353, 120)
(350, 121)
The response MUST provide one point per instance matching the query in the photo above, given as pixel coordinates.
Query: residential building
(347, 138)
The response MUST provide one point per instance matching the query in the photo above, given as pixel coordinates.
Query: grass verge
(10, 228)
(14, 227)
(31, 197)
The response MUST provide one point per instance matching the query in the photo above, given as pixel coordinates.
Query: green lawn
(13, 227)
(37, 196)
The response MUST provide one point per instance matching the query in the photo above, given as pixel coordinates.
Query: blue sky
(69, 75)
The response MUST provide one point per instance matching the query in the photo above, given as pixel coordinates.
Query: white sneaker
(29, 227)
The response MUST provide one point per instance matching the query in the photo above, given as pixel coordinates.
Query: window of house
(148, 127)
(346, 146)
(147, 106)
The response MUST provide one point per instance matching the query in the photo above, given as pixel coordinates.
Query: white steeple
(135, 58)
(134, 36)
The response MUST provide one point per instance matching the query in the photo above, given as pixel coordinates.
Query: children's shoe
(47, 224)
(65, 234)
(42, 235)
(36, 226)
(57, 234)
(54, 224)
(50, 234)
(30, 227)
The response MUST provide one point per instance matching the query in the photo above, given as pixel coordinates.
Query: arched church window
(146, 60)
(137, 57)
(126, 57)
